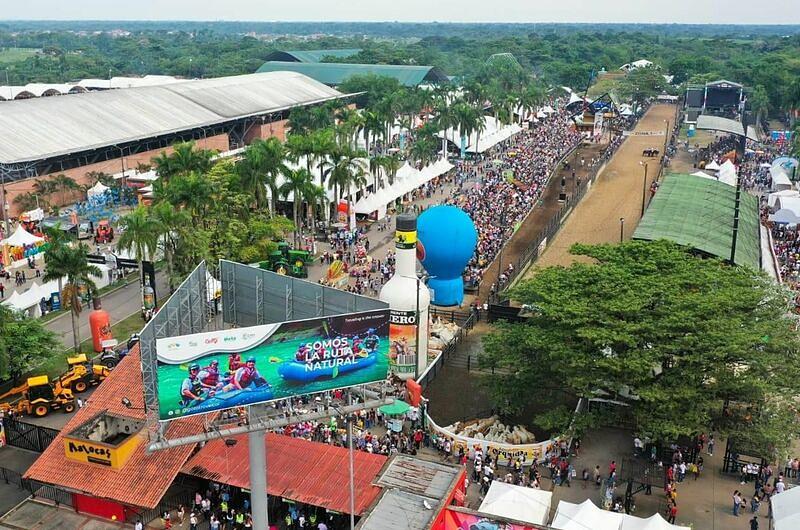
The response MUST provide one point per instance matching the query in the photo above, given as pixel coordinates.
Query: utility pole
(644, 189)
(621, 229)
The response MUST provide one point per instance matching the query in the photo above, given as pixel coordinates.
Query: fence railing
(436, 366)
(28, 436)
(36, 489)
(531, 252)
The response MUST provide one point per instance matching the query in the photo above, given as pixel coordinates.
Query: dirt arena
(617, 193)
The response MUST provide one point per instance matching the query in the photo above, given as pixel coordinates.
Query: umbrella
(395, 409)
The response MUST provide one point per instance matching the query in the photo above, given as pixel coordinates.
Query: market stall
(20, 246)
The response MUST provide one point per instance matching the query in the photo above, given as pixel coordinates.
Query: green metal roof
(698, 212)
(335, 73)
(311, 56)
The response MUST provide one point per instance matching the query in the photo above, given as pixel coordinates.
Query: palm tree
(313, 147)
(29, 201)
(140, 234)
(531, 97)
(346, 169)
(792, 100)
(263, 161)
(315, 197)
(72, 263)
(468, 119)
(296, 184)
(169, 223)
(65, 185)
(184, 159)
(372, 126)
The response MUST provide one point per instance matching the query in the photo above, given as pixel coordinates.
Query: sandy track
(617, 193)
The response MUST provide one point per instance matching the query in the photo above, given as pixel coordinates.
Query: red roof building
(298, 470)
(143, 480)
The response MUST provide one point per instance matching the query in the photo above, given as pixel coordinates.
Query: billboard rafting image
(218, 370)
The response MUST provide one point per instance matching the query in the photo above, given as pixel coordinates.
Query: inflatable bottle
(402, 292)
(100, 325)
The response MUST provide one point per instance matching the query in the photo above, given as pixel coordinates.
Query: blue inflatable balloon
(447, 240)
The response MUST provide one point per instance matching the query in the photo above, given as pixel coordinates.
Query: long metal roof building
(311, 56)
(334, 74)
(44, 128)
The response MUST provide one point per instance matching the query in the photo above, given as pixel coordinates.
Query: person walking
(710, 450)
(737, 501)
(754, 523)
(672, 512)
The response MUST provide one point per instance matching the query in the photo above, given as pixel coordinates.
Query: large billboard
(218, 370)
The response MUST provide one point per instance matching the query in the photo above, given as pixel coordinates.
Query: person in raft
(192, 391)
(210, 378)
(234, 362)
(247, 375)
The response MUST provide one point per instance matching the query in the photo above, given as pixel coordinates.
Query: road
(120, 304)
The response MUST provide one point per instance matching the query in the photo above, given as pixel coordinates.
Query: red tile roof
(303, 471)
(145, 477)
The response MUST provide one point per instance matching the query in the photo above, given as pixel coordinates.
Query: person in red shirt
(672, 511)
(612, 467)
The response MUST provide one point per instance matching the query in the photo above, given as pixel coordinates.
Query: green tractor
(287, 261)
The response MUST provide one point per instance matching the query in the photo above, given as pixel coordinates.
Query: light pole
(666, 138)
(4, 205)
(621, 229)
(644, 187)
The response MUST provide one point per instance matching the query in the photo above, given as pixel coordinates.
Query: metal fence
(448, 351)
(36, 489)
(531, 252)
(27, 435)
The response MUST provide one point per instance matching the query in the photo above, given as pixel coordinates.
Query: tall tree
(297, 184)
(73, 264)
(140, 233)
(185, 158)
(259, 170)
(689, 345)
(24, 342)
(171, 225)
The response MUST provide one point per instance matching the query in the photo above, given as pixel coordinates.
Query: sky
(642, 11)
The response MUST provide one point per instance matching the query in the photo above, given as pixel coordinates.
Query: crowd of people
(498, 190)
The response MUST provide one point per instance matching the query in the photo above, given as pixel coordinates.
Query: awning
(98, 189)
(20, 238)
(298, 470)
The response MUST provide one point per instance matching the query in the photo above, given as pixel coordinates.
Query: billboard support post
(258, 476)
(350, 418)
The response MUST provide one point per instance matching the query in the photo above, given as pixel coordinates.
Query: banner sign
(642, 133)
(219, 370)
(505, 453)
(598, 124)
(403, 339)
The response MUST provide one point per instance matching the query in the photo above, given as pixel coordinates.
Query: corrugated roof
(336, 73)
(400, 510)
(707, 122)
(303, 471)
(145, 477)
(311, 56)
(429, 479)
(36, 129)
(698, 213)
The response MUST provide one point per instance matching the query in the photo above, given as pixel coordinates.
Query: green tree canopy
(690, 345)
(23, 343)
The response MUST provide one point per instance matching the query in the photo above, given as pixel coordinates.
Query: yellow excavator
(37, 397)
(82, 374)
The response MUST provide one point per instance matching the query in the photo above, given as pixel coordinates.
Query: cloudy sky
(680, 11)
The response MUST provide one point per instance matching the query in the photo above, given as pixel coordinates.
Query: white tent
(516, 502)
(784, 217)
(21, 237)
(30, 299)
(788, 203)
(574, 98)
(713, 166)
(547, 109)
(704, 175)
(780, 179)
(571, 516)
(727, 173)
(773, 197)
(786, 509)
(98, 189)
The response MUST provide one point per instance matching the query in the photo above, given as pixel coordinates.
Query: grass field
(15, 55)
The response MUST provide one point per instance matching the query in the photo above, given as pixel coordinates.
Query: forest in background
(559, 54)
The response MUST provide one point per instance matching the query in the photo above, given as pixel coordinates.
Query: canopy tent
(785, 162)
(98, 189)
(493, 133)
(20, 238)
(516, 502)
(703, 174)
(547, 109)
(784, 217)
(712, 166)
(788, 203)
(31, 298)
(571, 516)
(574, 98)
(786, 509)
(727, 173)
(773, 197)
(780, 179)
(395, 409)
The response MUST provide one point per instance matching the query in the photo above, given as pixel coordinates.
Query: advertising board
(218, 370)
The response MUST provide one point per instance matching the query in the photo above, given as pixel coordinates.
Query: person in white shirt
(780, 487)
